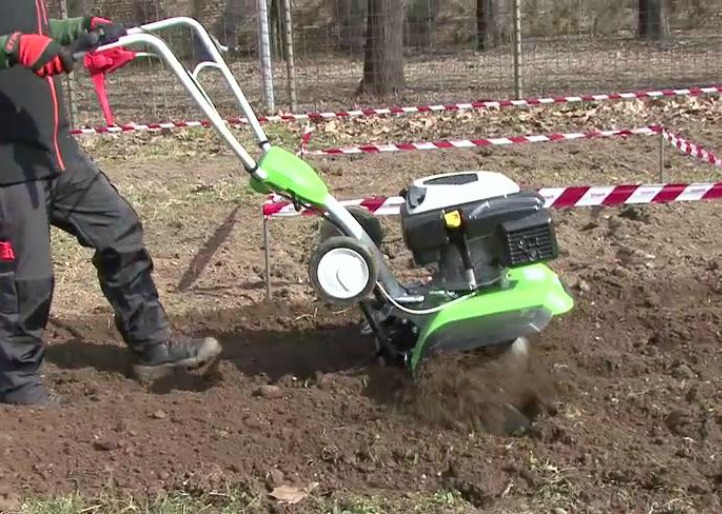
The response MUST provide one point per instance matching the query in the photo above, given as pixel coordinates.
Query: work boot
(158, 360)
(34, 395)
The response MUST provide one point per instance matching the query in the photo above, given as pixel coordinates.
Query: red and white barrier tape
(556, 197)
(498, 104)
(305, 138)
(144, 127)
(473, 143)
(692, 149)
(397, 111)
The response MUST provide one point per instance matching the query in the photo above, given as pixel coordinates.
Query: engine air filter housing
(502, 227)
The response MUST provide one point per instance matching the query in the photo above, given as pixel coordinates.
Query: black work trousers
(83, 203)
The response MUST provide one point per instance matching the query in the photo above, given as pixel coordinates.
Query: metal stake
(661, 156)
(267, 256)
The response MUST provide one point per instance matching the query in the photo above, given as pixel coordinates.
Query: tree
(277, 26)
(486, 19)
(421, 20)
(384, 53)
(652, 19)
(352, 21)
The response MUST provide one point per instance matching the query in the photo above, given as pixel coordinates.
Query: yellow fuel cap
(452, 219)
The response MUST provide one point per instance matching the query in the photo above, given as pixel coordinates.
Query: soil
(624, 395)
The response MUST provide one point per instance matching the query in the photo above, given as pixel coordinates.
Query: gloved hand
(109, 31)
(40, 54)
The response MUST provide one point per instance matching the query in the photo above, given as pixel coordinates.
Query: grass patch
(177, 503)
(442, 502)
(556, 486)
(231, 189)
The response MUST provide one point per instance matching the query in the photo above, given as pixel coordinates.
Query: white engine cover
(472, 186)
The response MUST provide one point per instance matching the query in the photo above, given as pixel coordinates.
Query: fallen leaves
(418, 127)
(290, 495)
(572, 117)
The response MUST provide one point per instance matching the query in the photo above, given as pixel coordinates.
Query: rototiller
(483, 240)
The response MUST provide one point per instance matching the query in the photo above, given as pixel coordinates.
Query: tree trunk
(352, 21)
(421, 23)
(486, 24)
(652, 20)
(277, 28)
(384, 58)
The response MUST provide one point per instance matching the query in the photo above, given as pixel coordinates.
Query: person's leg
(86, 205)
(26, 288)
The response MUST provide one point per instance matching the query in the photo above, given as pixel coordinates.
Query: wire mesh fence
(453, 50)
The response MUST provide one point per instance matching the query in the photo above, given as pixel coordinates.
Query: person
(46, 180)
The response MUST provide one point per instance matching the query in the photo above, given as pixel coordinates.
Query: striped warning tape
(678, 142)
(397, 111)
(474, 143)
(694, 150)
(497, 104)
(555, 197)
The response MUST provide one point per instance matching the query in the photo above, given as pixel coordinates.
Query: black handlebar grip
(68, 60)
(86, 43)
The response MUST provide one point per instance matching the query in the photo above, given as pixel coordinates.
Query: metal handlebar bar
(141, 35)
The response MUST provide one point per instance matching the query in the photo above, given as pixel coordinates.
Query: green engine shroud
(534, 295)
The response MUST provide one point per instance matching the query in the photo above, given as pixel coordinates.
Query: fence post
(70, 79)
(264, 45)
(290, 64)
(518, 87)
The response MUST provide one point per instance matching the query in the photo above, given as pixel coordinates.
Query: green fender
(535, 295)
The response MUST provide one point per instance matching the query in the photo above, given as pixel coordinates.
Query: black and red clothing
(34, 133)
(45, 179)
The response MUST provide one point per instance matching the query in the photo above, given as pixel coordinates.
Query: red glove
(109, 31)
(40, 54)
(94, 22)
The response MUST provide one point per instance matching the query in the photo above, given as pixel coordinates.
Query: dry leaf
(331, 127)
(292, 495)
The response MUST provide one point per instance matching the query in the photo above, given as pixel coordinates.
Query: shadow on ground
(260, 341)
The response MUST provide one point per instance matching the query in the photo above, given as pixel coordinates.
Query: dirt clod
(274, 478)
(106, 445)
(583, 286)
(269, 391)
(683, 372)
(529, 477)
(10, 502)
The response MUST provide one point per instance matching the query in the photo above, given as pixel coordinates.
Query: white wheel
(342, 270)
(342, 273)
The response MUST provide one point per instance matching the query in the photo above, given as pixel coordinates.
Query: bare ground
(625, 395)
